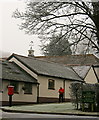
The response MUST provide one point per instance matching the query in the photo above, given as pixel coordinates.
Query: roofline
(88, 71)
(32, 79)
(78, 55)
(76, 73)
(66, 55)
(72, 65)
(19, 81)
(24, 71)
(55, 56)
(95, 65)
(62, 78)
(13, 55)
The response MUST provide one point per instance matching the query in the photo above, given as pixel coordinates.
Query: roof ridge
(55, 56)
(60, 64)
(54, 71)
(66, 55)
(53, 62)
(20, 55)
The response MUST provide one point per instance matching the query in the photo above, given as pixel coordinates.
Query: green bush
(77, 88)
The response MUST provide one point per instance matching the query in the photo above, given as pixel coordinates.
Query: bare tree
(56, 47)
(77, 21)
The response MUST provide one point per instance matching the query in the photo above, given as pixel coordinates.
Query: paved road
(22, 116)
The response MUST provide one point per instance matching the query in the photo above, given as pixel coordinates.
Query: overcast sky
(13, 40)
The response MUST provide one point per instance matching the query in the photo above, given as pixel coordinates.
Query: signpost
(88, 97)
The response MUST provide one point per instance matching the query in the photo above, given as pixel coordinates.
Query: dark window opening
(16, 86)
(51, 84)
(27, 88)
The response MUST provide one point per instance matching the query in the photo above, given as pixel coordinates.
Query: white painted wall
(45, 92)
(67, 89)
(43, 88)
(21, 97)
(91, 78)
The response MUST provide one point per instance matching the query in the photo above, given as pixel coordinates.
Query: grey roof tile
(10, 71)
(70, 60)
(48, 68)
(81, 70)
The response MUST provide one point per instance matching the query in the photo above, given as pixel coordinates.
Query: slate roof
(46, 68)
(72, 60)
(81, 70)
(10, 71)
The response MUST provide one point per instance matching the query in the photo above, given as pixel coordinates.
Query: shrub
(76, 89)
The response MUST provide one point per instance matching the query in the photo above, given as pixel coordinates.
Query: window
(51, 84)
(16, 86)
(27, 88)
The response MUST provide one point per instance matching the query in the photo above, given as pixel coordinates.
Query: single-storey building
(50, 76)
(25, 86)
(38, 80)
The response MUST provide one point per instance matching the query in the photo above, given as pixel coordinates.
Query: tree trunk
(96, 18)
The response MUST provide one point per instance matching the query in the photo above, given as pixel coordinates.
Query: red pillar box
(10, 90)
(10, 93)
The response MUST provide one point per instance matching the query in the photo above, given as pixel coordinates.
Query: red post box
(10, 90)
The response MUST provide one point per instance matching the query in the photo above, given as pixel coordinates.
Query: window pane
(15, 84)
(51, 84)
(28, 88)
